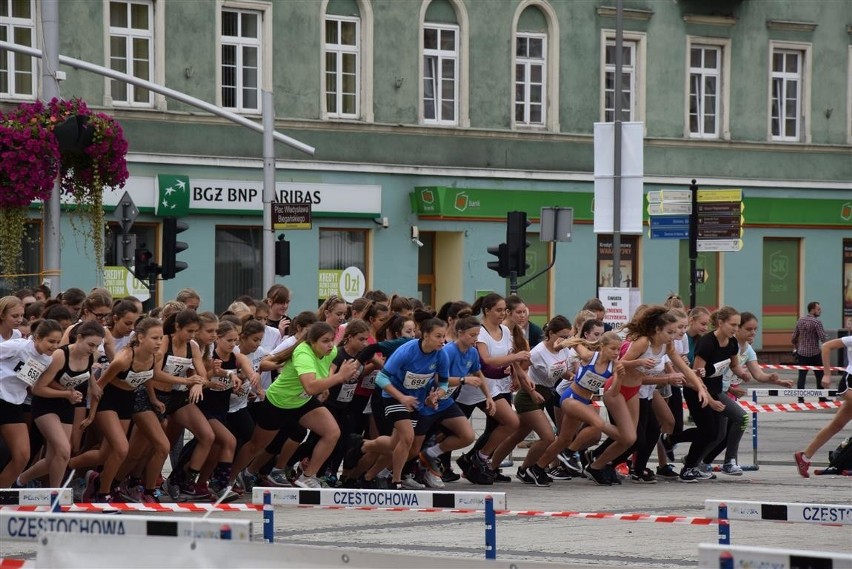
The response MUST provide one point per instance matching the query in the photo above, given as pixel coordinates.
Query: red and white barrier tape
(196, 507)
(774, 407)
(9, 563)
(793, 367)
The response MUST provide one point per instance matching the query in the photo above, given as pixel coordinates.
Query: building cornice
(629, 13)
(791, 25)
(701, 19)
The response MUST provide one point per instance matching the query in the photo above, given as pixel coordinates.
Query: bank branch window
(239, 267)
(340, 249)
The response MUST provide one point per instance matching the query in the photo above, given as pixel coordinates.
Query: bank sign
(180, 195)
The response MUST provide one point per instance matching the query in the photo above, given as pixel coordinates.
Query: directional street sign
(716, 245)
(669, 208)
(670, 232)
(670, 221)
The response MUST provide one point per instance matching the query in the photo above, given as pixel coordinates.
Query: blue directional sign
(669, 232)
(669, 221)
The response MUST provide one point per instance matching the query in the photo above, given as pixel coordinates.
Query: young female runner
(291, 401)
(54, 396)
(11, 316)
(22, 362)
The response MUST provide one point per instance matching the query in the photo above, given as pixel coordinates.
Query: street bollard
(225, 532)
(726, 560)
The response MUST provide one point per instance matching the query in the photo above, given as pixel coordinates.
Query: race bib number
(72, 381)
(177, 366)
(720, 368)
(347, 392)
(591, 381)
(557, 370)
(136, 378)
(221, 383)
(30, 371)
(369, 381)
(416, 380)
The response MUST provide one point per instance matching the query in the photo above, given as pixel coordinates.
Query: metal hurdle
(823, 514)
(755, 393)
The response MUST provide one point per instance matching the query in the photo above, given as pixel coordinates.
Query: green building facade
(432, 119)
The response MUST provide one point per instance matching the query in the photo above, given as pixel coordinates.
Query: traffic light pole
(513, 282)
(693, 245)
(541, 272)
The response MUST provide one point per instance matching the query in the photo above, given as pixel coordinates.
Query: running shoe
(689, 474)
(539, 476)
(647, 477)
(247, 480)
(78, 486)
(598, 476)
(623, 470)
(668, 472)
(153, 496)
(559, 473)
(432, 464)
(305, 481)
(409, 483)
(524, 476)
(396, 486)
(507, 463)
(614, 476)
(195, 491)
(587, 458)
(134, 493)
(450, 476)
(572, 462)
(227, 496)
(91, 485)
(802, 464)
(731, 468)
(278, 477)
(704, 474)
(498, 476)
(432, 481)
(171, 487)
(464, 463)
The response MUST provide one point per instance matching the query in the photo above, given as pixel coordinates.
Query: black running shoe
(539, 476)
(524, 476)
(599, 477)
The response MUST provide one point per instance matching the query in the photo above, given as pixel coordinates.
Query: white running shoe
(305, 481)
(433, 481)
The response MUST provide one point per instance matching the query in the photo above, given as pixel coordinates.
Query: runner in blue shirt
(408, 381)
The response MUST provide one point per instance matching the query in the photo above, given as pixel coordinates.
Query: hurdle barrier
(399, 500)
(755, 393)
(729, 557)
(29, 526)
(823, 514)
(36, 497)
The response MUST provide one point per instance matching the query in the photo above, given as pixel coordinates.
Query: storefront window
(780, 291)
(339, 249)
(239, 267)
(629, 262)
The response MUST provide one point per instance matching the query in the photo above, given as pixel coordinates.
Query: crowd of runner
(377, 393)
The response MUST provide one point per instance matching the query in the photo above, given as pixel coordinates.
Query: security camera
(417, 241)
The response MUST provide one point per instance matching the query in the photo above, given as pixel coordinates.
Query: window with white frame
(241, 64)
(530, 79)
(705, 93)
(785, 105)
(342, 64)
(17, 71)
(131, 49)
(440, 74)
(628, 81)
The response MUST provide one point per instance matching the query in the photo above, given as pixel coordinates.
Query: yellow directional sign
(720, 195)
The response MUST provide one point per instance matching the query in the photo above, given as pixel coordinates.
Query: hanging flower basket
(29, 163)
(93, 160)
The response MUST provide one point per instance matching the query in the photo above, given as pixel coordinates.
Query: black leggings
(703, 434)
(647, 435)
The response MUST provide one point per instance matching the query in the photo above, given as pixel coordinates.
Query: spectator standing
(808, 336)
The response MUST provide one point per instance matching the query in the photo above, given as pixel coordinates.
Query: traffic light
(501, 265)
(142, 263)
(282, 257)
(516, 242)
(171, 247)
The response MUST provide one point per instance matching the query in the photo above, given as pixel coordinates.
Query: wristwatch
(461, 380)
